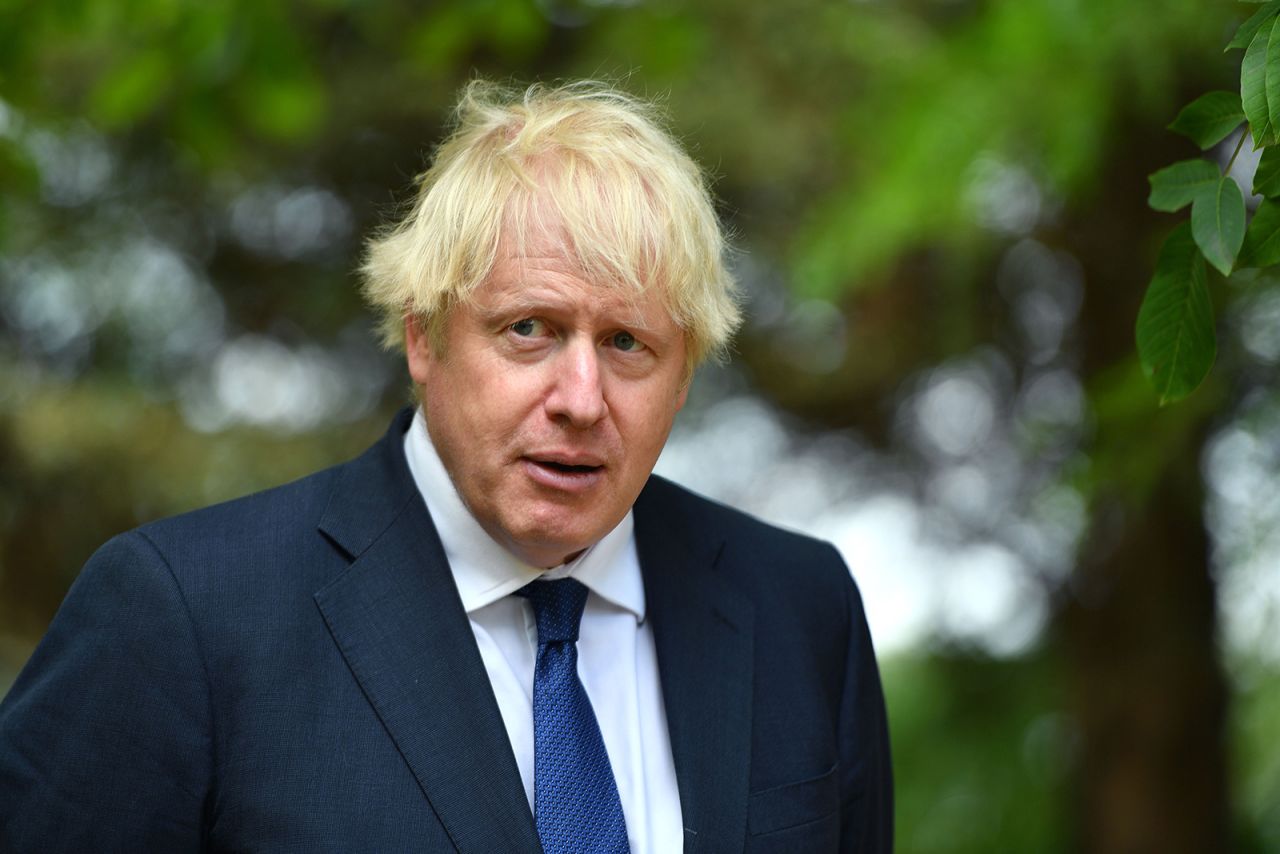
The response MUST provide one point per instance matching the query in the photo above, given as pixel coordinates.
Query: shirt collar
(485, 572)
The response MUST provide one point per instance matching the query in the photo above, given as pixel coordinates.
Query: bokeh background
(941, 232)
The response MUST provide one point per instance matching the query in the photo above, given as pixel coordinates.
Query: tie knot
(557, 606)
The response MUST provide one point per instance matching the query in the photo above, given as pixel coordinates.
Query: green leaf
(1253, 87)
(1176, 186)
(1262, 240)
(1207, 120)
(1217, 223)
(1273, 77)
(1266, 179)
(1210, 118)
(1176, 342)
(1246, 31)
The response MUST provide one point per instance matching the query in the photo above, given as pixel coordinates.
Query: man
(494, 630)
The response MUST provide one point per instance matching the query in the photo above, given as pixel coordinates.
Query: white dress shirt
(617, 662)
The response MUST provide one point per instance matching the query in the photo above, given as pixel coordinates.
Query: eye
(528, 327)
(626, 342)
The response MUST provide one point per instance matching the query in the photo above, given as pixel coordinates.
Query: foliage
(1172, 327)
(1175, 327)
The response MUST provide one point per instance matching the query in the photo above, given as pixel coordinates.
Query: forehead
(538, 268)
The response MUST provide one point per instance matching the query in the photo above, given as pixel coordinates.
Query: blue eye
(626, 342)
(525, 328)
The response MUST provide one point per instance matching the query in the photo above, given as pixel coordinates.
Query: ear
(682, 396)
(417, 349)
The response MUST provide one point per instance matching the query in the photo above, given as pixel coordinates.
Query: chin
(547, 555)
(531, 540)
(561, 528)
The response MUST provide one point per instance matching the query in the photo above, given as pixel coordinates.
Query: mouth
(562, 472)
(567, 468)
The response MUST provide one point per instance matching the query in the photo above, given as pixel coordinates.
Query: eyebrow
(522, 304)
(514, 303)
(504, 309)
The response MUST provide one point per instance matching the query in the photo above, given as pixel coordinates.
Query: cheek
(646, 427)
(495, 409)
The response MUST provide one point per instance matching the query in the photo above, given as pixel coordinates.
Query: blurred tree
(186, 185)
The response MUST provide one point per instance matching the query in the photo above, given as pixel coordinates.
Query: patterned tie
(575, 797)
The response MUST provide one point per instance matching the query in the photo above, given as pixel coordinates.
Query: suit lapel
(396, 616)
(703, 632)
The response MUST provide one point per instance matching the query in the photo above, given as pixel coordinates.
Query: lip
(545, 470)
(565, 458)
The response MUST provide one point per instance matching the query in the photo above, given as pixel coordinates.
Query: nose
(577, 393)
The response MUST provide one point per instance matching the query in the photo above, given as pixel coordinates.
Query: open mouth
(567, 469)
(563, 476)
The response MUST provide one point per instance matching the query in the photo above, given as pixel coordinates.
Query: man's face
(550, 400)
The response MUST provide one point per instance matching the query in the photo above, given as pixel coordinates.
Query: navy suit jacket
(294, 671)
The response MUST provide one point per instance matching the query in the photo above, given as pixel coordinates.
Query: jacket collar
(391, 612)
(396, 606)
(703, 632)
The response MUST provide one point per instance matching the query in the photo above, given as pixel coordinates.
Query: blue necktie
(575, 797)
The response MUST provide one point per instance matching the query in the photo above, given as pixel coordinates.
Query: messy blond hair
(633, 208)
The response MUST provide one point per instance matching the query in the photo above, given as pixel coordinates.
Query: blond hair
(633, 208)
